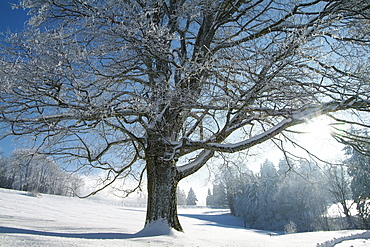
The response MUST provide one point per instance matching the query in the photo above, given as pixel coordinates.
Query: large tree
(358, 147)
(127, 86)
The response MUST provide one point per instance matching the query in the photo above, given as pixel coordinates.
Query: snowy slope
(60, 221)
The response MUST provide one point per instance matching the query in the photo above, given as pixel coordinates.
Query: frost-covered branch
(294, 119)
(193, 166)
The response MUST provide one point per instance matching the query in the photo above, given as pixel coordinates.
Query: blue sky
(10, 19)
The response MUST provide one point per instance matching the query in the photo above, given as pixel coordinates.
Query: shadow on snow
(140, 234)
(221, 220)
(228, 221)
(218, 220)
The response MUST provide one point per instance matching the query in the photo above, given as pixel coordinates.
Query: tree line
(296, 195)
(23, 170)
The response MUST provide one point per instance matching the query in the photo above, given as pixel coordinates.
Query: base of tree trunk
(156, 228)
(162, 198)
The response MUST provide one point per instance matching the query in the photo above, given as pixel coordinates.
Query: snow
(62, 221)
(204, 155)
(336, 210)
(253, 140)
(157, 228)
(360, 239)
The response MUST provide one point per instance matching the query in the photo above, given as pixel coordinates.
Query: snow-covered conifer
(191, 199)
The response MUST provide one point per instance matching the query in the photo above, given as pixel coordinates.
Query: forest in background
(25, 171)
(295, 196)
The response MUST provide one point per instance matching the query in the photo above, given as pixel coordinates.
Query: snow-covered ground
(61, 221)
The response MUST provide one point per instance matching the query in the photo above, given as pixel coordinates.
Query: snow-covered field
(61, 221)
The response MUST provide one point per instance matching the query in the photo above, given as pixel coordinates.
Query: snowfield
(50, 220)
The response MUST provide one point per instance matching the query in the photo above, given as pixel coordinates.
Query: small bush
(291, 227)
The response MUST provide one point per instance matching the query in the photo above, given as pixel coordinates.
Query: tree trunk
(162, 185)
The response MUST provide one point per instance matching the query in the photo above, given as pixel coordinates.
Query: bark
(163, 179)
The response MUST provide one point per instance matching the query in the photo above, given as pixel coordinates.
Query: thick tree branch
(294, 119)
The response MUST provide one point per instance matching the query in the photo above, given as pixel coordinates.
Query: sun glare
(319, 127)
(317, 138)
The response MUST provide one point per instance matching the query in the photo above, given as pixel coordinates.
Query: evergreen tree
(209, 199)
(181, 197)
(192, 198)
(219, 195)
(267, 190)
(359, 170)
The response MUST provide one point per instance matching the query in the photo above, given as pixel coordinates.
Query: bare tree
(339, 187)
(28, 171)
(131, 87)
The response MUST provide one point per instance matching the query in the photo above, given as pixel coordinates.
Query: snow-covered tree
(267, 180)
(235, 180)
(303, 197)
(133, 87)
(181, 197)
(358, 147)
(218, 197)
(209, 199)
(339, 187)
(191, 199)
(271, 201)
(5, 181)
(27, 171)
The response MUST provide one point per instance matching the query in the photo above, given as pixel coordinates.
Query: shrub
(291, 227)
